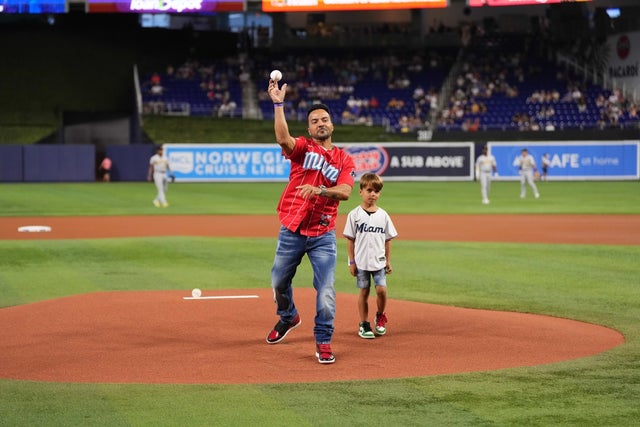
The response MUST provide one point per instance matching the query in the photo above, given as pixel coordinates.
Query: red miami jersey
(314, 165)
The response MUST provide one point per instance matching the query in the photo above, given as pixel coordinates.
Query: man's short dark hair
(318, 106)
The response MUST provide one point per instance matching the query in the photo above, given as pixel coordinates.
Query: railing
(597, 77)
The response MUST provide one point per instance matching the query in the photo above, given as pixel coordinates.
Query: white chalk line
(224, 297)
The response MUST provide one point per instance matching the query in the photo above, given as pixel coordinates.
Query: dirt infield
(589, 229)
(160, 337)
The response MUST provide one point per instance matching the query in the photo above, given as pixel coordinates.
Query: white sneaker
(485, 201)
(156, 203)
(537, 196)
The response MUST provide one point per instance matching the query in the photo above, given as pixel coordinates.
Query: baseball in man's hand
(276, 75)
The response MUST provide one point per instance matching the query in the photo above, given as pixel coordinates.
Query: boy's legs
(363, 304)
(380, 280)
(381, 298)
(363, 282)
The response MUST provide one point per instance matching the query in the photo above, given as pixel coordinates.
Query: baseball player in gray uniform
(158, 169)
(527, 166)
(485, 166)
(369, 231)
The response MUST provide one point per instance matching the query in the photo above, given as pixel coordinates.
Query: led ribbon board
(478, 3)
(165, 6)
(336, 5)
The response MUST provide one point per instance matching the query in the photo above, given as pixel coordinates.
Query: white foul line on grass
(224, 297)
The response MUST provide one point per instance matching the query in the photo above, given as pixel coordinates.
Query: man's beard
(322, 135)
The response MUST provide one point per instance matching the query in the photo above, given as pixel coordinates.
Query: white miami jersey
(369, 231)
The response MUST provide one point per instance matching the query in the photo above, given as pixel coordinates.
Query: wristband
(352, 262)
(323, 190)
(278, 104)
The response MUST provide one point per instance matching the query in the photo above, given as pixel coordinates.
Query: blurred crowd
(398, 90)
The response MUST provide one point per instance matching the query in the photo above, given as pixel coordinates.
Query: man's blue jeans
(322, 252)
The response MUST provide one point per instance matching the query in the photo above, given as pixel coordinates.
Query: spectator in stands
(418, 93)
(301, 109)
(227, 108)
(403, 125)
(365, 119)
(347, 117)
(582, 104)
(244, 77)
(155, 79)
(395, 104)
(157, 90)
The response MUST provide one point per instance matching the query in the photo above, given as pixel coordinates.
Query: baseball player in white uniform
(158, 169)
(527, 166)
(485, 166)
(369, 231)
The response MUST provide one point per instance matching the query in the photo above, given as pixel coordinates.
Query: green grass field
(592, 283)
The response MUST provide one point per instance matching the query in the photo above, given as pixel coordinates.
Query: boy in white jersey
(369, 231)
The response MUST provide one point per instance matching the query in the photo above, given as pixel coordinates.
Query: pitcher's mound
(160, 337)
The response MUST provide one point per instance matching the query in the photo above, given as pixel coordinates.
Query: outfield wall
(47, 163)
(453, 161)
(419, 161)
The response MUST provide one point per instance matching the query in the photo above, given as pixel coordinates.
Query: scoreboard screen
(164, 6)
(337, 5)
(33, 6)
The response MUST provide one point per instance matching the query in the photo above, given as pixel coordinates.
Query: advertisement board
(264, 162)
(336, 5)
(452, 161)
(227, 162)
(623, 67)
(164, 6)
(583, 160)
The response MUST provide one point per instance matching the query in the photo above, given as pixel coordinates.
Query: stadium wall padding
(11, 163)
(58, 163)
(130, 162)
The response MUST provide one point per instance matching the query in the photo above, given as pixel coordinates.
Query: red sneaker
(381, 323)
(281, 330)
(324, 353)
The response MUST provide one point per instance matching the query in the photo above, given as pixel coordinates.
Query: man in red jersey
(321, 176)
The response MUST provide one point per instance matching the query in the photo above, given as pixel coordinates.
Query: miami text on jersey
(315, 161)
(366, 228)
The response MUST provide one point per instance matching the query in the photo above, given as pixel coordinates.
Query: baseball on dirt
(276, 75)
(196, 293)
